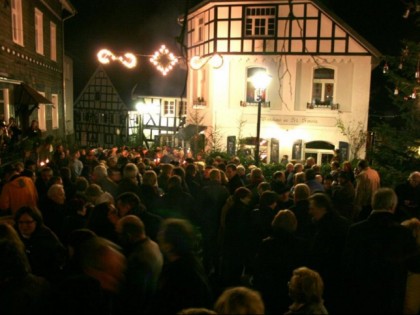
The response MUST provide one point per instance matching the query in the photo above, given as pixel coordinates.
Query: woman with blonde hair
(239, 300)
(305, 289)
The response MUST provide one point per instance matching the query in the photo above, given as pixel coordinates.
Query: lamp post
(260, 81)
(140, 107)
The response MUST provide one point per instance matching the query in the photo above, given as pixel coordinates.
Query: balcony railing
(255, 104)
(325, 105)
(199, 104)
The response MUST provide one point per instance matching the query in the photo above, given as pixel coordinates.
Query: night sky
(141, 26)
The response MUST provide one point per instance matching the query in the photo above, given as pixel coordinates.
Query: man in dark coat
(129, 203)
(376, 257)
(277, 257)
(211, 200)
(327, 244)
(235, 180)
(343, 196)
(144, 265)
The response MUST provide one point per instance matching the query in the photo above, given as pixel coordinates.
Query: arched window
(323, 87)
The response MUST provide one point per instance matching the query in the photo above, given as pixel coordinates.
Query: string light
(164, 60)
(405, 54)
(385, 69)
(105, 56)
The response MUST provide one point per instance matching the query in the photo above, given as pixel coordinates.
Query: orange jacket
(18, 192)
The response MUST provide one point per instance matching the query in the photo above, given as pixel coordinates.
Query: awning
(27, 100)
(189, 131)
(25, 95)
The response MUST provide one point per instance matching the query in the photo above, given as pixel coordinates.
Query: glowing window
(39, 32)
(17, 21)
(323, 86)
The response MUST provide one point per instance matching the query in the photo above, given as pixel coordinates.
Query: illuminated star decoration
(105, 56)
(164, 60)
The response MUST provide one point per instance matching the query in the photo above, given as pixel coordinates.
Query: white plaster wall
(285, 120)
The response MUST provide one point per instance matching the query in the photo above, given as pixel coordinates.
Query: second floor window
(17, 22)
(182, 108)
(39, 32)
(169, 108)
(53, 41)
(323, 87)
(260, 21)
(200, 29)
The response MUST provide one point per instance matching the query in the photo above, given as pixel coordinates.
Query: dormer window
(260, 21)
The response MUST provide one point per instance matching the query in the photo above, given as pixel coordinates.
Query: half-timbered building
(320, 69)
(113, 110)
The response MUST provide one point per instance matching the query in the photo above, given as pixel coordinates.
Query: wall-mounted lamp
(197, 62)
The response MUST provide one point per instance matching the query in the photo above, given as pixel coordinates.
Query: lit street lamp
(141, 108)
(260, 81)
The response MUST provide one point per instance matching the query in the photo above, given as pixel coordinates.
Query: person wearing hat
(283, 191)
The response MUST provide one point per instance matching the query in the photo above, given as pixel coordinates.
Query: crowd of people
(116, 232)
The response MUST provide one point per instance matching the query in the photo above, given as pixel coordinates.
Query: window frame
(39, 31)
(326, 99)
(53, 41)
(200, 29)
(17, 22)
(42, 114)
(169, 108)
(260, 21)
(183, 108)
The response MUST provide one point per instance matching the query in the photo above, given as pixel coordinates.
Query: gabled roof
(123, 93)
(144, 80)
(376, 54)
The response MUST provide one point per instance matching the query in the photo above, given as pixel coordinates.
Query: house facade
(100, 113)
(109, 112)
(35, 76)
(320, 69)
(162, 119)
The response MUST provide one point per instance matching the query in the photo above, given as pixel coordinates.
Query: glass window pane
(329, 93)
(316, 93)
(323, 73)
